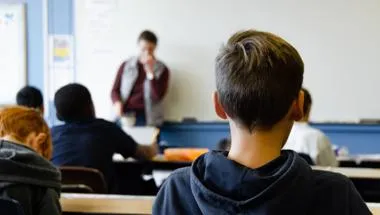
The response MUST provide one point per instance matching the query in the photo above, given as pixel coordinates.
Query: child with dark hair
(30, 97)
(85, 140)
(310, 141)
(258, 78)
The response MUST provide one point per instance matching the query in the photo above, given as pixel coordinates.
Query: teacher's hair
(148, 36)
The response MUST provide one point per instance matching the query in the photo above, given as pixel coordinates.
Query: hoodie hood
(20, 164)
(222, 186)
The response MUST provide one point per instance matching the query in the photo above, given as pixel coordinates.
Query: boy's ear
(42, 110)
(297, 112)
(219, 110)
(38, 140)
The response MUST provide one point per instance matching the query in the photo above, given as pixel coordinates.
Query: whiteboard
(12, 51)
(338, 40)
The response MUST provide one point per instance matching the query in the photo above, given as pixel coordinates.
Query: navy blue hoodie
(287, 185)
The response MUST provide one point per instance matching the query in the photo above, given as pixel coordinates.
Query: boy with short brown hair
(259, 77)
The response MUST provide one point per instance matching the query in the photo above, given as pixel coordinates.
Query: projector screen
(338, 40)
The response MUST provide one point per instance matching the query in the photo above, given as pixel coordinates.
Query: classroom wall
(61, 16)
(338, 41)
(358, 138)
(60, 22)
(35, 47)
(44, 18)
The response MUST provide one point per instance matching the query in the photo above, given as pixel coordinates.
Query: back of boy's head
(73, 102)
(307, 101)
(258, 76)
(30, 97)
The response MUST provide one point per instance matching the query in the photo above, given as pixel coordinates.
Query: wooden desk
(364, 173)
(116, 204)
(361, 161)
(106, 204)
(374, 207)
(360, 157)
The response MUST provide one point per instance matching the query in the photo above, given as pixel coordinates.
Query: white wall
(338, 40)
(13, 51)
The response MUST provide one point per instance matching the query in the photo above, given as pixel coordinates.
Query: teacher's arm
(115, 93)
(160, 85)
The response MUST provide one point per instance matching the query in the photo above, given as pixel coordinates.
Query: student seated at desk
(87, 141)
(258, 78)
(308, 140)
(25, 173)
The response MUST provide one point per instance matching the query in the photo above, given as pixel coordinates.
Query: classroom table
(118, 204)
(362, 161)
(106, 204)
(374, 207)
(351, 172)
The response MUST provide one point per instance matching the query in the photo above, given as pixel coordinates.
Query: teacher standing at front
(141, 84)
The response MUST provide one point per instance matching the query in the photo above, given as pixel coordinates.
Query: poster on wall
(61, 54)
(60, 68)
(61, 62)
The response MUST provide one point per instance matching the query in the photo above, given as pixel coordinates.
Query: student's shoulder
(325, 180)
(105, 124)
(316, 135)
(103, 121)
(310, 130)
(175, 195)
(336, 192)
(179, 177)
(59, 128)
(178, 182)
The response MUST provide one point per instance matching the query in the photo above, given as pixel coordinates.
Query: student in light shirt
(308, 140)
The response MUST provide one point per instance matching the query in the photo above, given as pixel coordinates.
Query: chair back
(9, 206)
(82, 180)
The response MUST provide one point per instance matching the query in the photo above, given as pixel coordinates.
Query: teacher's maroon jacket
(135, 101)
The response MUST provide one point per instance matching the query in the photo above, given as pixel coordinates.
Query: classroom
(189, 107)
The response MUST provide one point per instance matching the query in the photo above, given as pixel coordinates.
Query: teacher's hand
(118, 108)
(148, 61)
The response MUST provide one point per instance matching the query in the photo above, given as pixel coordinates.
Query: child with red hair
(26, 175)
